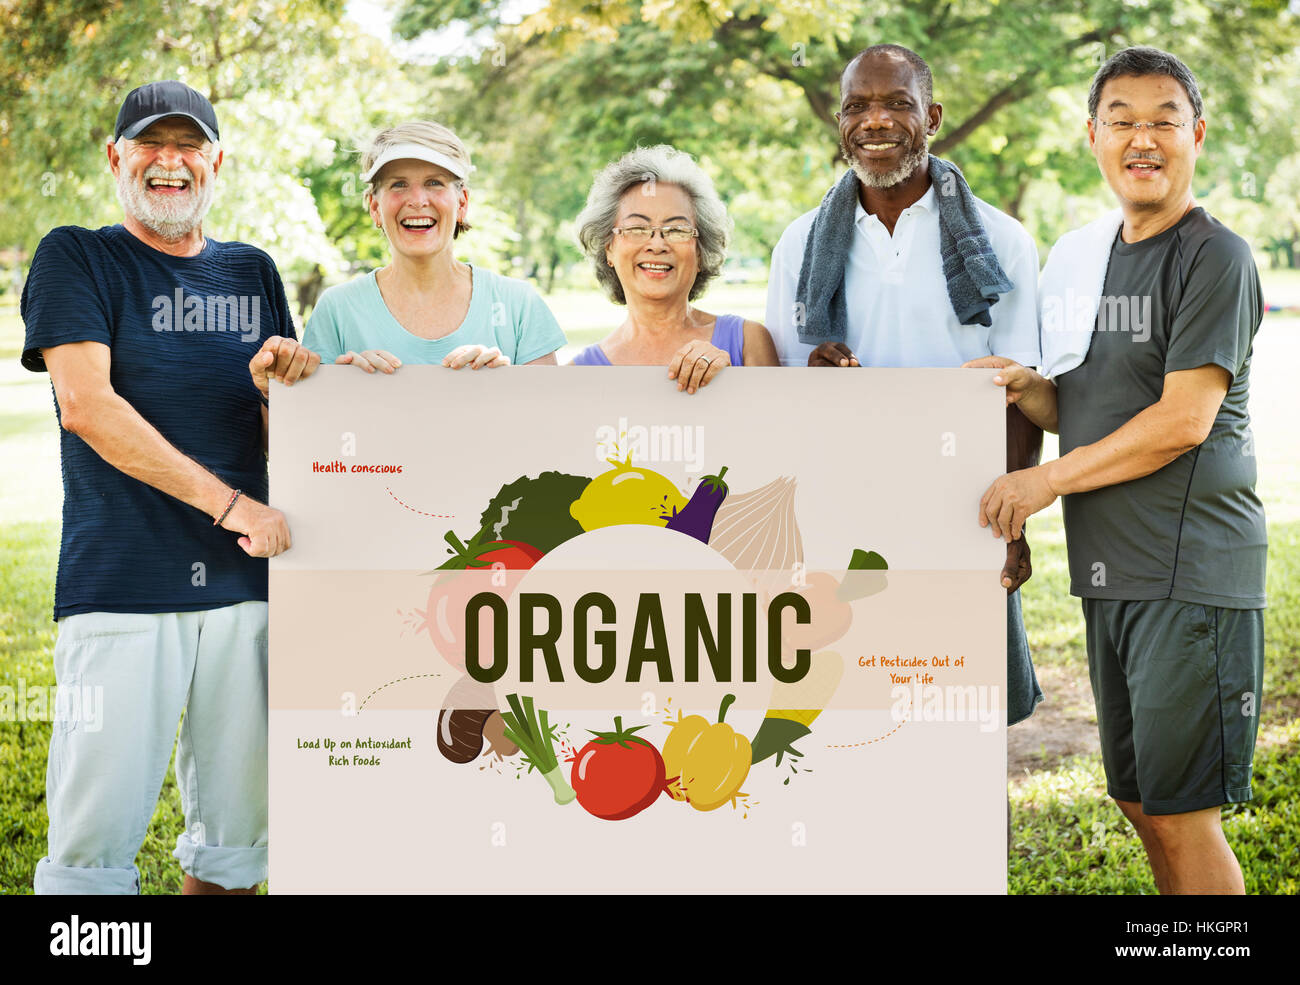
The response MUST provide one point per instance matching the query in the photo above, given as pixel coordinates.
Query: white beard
(889, 179)
(170, 221)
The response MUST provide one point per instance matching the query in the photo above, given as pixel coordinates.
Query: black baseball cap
(155, 100)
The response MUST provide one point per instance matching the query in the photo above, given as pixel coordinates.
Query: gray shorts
(1178, 689)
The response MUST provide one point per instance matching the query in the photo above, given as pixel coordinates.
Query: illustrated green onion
(529, 729)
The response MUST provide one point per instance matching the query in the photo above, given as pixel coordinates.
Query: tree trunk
(309, 288)
(521, 225)
(551, 267)
(1013, 206)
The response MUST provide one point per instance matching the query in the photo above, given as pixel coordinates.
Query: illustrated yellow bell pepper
(710, 762)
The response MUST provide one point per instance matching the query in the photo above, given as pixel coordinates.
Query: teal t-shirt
(503, 312)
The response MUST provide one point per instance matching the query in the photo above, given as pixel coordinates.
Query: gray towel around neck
(971, 268)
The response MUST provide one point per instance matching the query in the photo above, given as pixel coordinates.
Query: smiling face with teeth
(1148, 172)
(654, 269)
(418, 204)
(885, 120)
(166, 178)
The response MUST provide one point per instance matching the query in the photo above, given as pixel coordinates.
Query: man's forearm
(1147, 443)
(129, 443)
(1039, 404)
(1024, 440)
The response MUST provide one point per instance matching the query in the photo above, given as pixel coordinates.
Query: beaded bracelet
(229, 506)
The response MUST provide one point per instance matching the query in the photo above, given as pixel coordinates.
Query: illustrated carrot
(696, 517)
(794, 707)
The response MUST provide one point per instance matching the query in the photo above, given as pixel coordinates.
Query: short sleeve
(537, 333)
(1220, 308)
(64, 300)
(1014, 334)
(321, 333)
(283, 314)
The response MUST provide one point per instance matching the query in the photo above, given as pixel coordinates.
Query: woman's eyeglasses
(670, 234)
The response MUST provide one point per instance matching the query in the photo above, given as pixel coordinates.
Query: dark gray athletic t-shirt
(1194, 530)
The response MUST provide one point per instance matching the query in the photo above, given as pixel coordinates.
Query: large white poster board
(785, 676)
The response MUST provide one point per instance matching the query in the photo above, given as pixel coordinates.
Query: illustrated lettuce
(535, 511)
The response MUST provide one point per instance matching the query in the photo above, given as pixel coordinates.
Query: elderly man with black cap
(147, 330)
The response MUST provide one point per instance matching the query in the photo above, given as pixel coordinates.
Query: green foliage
(526, 510)
(26, 646)
(1052, 616)
(26, 654)
(1068, 835)
(751, 89)
(293, 84)
(543, 115)
(1282, 619)
(1069, 838)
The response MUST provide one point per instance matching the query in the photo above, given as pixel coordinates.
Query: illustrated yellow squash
(711, 761)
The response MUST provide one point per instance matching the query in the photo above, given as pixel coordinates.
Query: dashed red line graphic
(436, 516)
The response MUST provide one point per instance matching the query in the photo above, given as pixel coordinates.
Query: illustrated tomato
(618, 774)
(471, 570)
(512, 554)
(444, 618)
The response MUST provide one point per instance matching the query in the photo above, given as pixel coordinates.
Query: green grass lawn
(1068, 838)
(1067, 835)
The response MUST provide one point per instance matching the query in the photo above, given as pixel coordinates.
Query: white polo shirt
(897, 296)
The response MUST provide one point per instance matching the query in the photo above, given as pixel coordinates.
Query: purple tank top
(728, 335)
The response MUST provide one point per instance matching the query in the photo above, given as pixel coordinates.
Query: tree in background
(752, 88)
(547, 99)
(295, 85)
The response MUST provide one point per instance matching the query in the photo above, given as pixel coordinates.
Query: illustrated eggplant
(696, 518)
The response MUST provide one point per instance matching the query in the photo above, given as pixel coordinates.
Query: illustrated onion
(494, 731)
(758, 530)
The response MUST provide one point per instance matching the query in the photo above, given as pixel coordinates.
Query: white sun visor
(418, 152)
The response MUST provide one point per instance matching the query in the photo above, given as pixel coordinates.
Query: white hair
(646, 165)
(168, 220)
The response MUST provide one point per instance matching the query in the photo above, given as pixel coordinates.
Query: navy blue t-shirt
(182, 331)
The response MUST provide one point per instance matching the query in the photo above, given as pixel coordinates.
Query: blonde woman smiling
(425, 306)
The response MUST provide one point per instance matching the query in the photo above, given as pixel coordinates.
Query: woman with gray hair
(656, 233)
